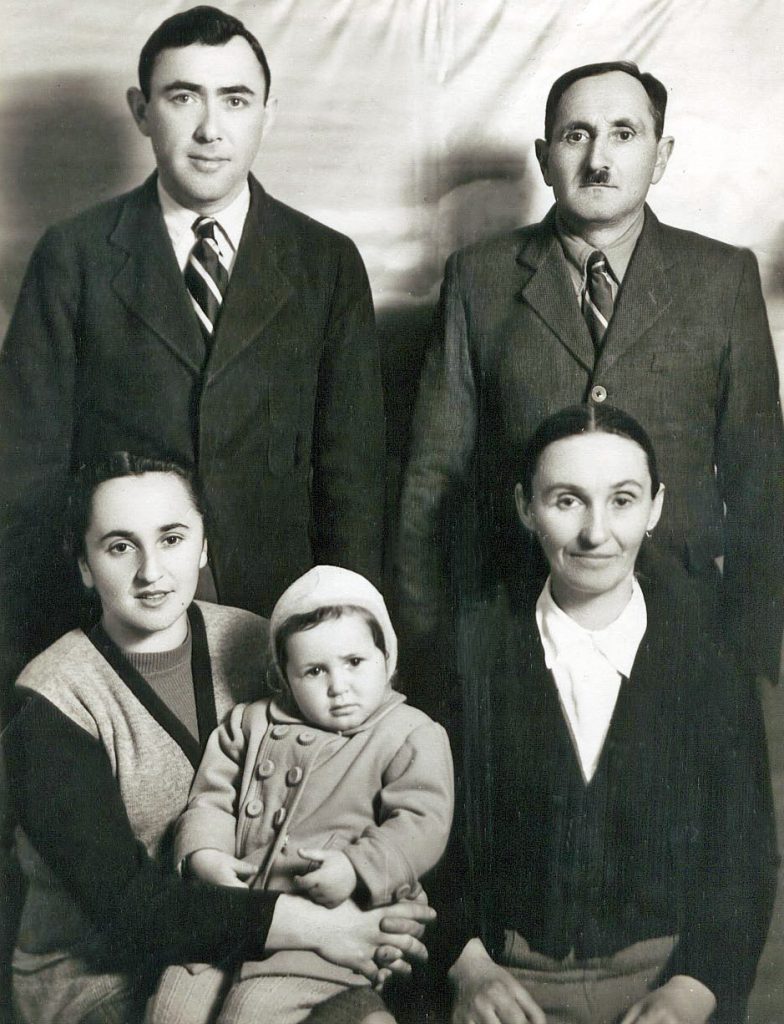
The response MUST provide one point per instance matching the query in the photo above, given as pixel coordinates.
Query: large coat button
(254, 808)
(266, 768)
(279, 731)
(294, 775)
(306, 738)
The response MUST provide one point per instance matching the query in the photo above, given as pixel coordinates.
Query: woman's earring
(648, 534)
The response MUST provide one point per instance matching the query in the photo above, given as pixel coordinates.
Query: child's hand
(219, 868)
(330, 884)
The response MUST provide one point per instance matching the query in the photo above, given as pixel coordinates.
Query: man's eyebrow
(179, 84)
(571, 125)
(230, 90)
(225, 90)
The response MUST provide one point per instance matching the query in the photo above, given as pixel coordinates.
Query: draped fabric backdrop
(409, 125)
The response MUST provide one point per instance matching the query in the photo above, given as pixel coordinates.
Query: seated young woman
(111, 726)
(617, 838)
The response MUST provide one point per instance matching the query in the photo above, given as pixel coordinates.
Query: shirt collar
(179, 220)
(618, 253)
(618, 642)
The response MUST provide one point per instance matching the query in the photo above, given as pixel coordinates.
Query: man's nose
(208, 129)
(598, 156)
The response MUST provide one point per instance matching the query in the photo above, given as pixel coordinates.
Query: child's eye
(314, 671)
(355, 661)
(119, 547)
(171, 539)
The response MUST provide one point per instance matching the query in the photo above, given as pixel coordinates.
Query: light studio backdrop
(409, 125)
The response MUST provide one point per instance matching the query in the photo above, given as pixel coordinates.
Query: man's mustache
(601, 176)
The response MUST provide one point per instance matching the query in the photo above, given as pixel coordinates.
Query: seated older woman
(621, 857)
(112, 724)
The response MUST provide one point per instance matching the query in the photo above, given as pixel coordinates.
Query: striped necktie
(206, 277)
(598, 297)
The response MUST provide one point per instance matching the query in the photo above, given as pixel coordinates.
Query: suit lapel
(548, 289)
(258, 287)
(149, 282)
(644, 296)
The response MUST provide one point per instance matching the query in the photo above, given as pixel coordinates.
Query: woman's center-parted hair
(113, 466)
(303, 621)
(583, 419)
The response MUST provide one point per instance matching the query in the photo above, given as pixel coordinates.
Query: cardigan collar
(206, 714)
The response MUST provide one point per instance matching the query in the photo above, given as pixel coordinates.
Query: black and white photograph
(391, 512)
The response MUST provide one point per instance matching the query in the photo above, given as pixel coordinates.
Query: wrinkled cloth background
(409, 125)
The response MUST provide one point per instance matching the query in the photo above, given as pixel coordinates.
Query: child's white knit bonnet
(326, 585)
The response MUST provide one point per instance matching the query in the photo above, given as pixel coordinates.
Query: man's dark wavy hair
(205, 25)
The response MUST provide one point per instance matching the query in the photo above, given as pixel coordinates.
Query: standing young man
(198, 317)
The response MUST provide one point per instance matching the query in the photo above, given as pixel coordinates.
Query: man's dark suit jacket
(688, 353)
(285, 419)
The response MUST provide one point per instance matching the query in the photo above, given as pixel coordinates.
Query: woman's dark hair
(583, 419)
(112, 466)
(308, 620)
(205, 25)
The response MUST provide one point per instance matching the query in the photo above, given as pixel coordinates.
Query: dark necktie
(205, 276)
(598, 298)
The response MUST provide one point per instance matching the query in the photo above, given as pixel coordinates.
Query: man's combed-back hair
(657, 94)
(205, 25)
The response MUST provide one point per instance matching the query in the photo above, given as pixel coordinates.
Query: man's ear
(270, 114)
(138, 107)
(663, 153)
(542, 150)
(523, 507)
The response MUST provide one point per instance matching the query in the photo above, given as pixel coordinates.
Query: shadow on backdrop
(70, 150)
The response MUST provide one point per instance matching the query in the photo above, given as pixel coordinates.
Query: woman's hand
(219, 868)
(487, 994)
(333, 881)
(347, 935)
(681, 1000)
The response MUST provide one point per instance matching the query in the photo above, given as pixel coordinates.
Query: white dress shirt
(179, 223)
(588, 667)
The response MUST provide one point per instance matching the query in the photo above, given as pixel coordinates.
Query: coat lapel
(644, 296)
(259, 285)
(548, 290)
(149, 282)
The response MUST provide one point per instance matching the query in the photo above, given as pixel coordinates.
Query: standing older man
(197, 317)
(602, 302)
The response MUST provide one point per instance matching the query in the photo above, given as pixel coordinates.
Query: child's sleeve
(210, 819)
(416, 804)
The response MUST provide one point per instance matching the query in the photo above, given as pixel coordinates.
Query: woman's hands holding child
(331, 883)
(219, 868)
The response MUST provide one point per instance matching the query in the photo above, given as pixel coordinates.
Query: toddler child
(335, 789)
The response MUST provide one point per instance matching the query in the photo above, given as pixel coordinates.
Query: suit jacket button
(306, 738)
(279, 731)
(254, 808)
(265, 769)
(598, 393)
(294, 775)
